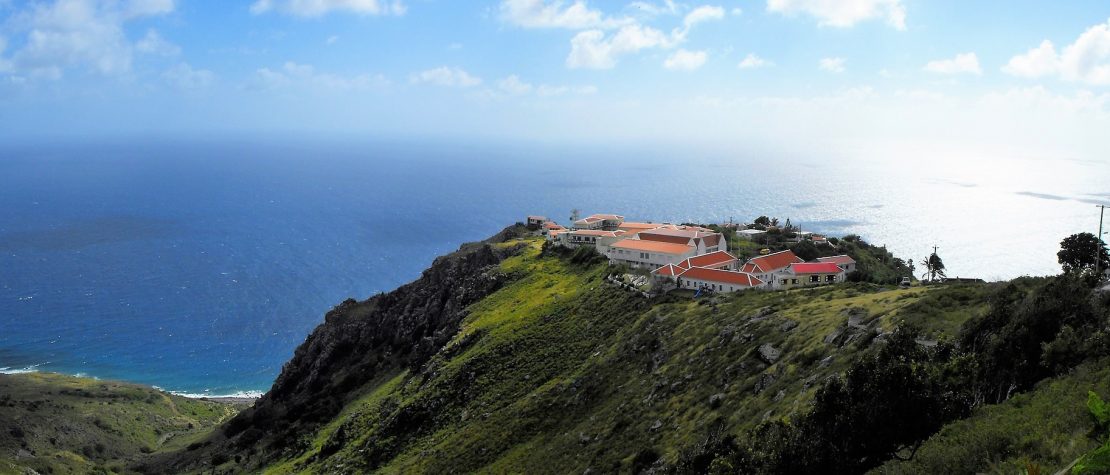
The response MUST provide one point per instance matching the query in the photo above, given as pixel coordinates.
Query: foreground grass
(50, 423)
(559, 372)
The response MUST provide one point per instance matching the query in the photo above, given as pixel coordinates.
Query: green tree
(1078, 253)
(806, 250)
(574, 214)
(934, 267)
(763, 221)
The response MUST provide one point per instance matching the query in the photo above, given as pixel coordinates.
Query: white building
(843, 261)
(650, 254)
(765, 267)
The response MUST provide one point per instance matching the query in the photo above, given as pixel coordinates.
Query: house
(806, 274)
(590, 237)
(553, 235)
(765, 267)
(750, 234)
(717, 280)
(704, 240)
(534, 220)
(845, 262)
(649, 254)
(605, 222)
(550, 226)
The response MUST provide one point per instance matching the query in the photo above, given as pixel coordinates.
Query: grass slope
(560, 372)
(50, 423)
(1046, 428)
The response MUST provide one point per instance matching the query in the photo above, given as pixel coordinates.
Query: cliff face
(358, 341)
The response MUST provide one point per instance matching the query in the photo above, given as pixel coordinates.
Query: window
(814, 278)
(793, 281)
(830, 278)
(783, 281)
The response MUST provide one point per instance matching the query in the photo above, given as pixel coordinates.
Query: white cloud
(592, 49)
(843, 13)
(153, 43)
(514, 86)
(752, 61)
(556, 14)
(835, 65)
(963, 63)
(304, 75)
(317, 8)
(69, 34)
(1037, 62)
(445, 76)
(331, 40)
(737, 11)
(1087, 60)
(685, 60)
(702, 14)
(184, 76)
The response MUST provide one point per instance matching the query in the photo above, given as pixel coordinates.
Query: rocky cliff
(358, 341)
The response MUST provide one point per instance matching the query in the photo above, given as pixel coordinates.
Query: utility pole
(1098, 241)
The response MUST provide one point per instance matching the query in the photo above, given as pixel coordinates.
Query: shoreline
(236, 398)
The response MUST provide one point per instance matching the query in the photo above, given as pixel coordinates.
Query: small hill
(50, 423)
(552, 369)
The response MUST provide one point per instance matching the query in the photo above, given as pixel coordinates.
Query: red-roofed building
(590, 237)
(607, 222)
(717, 280)
(765, 267)
(650, 254)
(845, 262)
(706, 241)
(807, 274)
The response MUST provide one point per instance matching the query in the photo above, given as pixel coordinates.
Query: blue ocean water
(200, 266)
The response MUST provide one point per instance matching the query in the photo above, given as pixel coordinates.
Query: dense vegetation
(51, 423)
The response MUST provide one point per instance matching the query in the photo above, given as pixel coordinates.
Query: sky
(1029, 76)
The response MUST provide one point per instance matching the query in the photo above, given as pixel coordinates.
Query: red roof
(668, 270)
(723, 276)
(652, 246)
(771, 262)
(713, 259)
(664, 238)
(815, 268)
(597, 232)
(839, 260)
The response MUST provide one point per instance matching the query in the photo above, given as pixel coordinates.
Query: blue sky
(1020, 74)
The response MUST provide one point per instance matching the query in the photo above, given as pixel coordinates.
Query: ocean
(199, 266)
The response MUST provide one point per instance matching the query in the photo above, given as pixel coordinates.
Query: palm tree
(934, 267)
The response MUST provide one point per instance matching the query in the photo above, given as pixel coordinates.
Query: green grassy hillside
(560, 372)
(51, 423)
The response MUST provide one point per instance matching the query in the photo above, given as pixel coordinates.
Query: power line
(1098, 240)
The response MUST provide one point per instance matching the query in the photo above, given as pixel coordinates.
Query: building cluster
(691, 257)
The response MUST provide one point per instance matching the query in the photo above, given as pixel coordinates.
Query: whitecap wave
(29, 369)
(237, 395)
